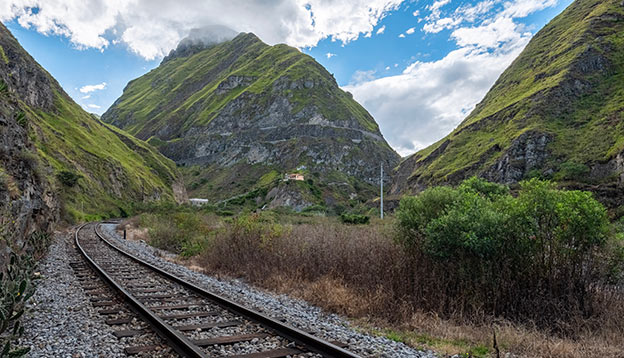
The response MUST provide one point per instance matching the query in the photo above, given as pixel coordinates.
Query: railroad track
(191, 320)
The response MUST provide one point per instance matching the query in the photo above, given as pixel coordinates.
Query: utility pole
(381, 182)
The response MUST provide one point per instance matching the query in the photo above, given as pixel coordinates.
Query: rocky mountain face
(240, 114)
(556, 112)
(57, 161)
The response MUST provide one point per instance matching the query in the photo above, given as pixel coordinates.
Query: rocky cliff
(556, 112)
(57, 161)
(241, 114)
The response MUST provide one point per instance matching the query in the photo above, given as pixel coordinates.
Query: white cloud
(410, 31)
(93, 106)
(416, 13)
(87, 96)
(151, 28)
(330, 55)
(429, 99)
(363, 76)
(523, 8)
(435, 22)
(402, 35)
(502, 30)
(387, 68)
(381, 30)
(92, 88)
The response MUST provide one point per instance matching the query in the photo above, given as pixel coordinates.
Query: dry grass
(359, 272)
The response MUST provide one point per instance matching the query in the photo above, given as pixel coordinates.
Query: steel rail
(179, 342)
(314, 344)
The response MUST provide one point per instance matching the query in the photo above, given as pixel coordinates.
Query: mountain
(556, 112)
(239, 114)
(58, 161)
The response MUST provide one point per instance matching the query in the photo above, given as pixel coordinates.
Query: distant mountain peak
(200, 39)
(243, 113)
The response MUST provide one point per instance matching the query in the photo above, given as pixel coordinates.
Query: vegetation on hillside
(565, 84)
(245, 186)
(97, 169)
(141, 109)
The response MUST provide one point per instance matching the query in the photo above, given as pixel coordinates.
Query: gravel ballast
(296, 312)
(60, 321)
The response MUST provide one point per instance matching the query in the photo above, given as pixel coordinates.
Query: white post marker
(381, 201)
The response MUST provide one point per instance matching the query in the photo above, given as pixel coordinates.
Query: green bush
(314, 209)
(533, 255)
(572, 171)
(68, 178)
(354, 218)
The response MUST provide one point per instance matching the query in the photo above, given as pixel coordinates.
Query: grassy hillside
(565, 89)
(183, 90)
(240, 111)
(93, 168)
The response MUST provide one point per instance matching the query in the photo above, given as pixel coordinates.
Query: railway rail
(191, 320)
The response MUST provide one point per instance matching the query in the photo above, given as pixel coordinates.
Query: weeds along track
(192, 321)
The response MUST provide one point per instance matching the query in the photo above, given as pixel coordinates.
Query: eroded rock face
(270, 134)
(27, 203)
(528, 151)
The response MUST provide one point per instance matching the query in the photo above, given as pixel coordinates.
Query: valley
(229, 201)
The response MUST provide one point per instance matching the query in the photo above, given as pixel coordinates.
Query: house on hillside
(198, 202)
(293, 176)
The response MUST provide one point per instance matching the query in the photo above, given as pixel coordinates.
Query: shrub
(572, 171)
(67, 178)
(415, 212)
(354, 218)
(533, 256)
(314, 209)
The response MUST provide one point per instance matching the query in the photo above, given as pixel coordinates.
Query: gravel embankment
(60, 321)
(296, 312)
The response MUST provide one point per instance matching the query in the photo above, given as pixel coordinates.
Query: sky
(418, 66)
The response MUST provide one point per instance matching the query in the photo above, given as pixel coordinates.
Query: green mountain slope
(57, 158)
(242, 113)
(555, 112)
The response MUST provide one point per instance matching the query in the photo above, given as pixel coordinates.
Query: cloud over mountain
(151, 28)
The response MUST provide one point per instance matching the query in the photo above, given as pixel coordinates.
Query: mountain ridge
(243, 103)
(542, 114)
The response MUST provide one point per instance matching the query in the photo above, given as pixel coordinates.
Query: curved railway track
(193, 321)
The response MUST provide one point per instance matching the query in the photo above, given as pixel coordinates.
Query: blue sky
(419, 66)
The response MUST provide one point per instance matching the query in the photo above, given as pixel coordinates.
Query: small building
(293, 176)
(198, 202)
